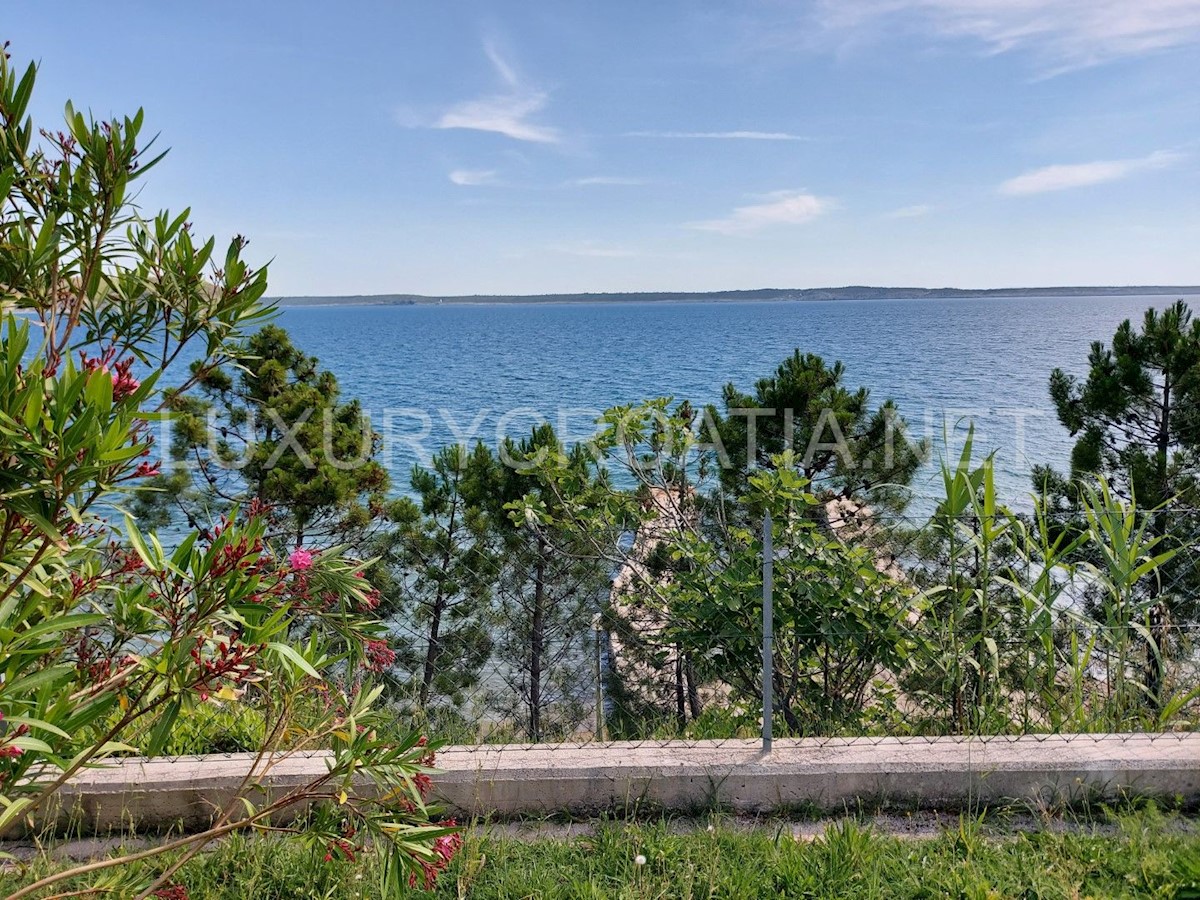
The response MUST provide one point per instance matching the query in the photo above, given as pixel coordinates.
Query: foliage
(275, 431)
(1025, 624)
(689, 592)
(550, 584)
(437, 570)
(982, 621)
(105, 636)
(839, 443)
(1135, 420)
(1129, 854)
(1135, 413)
(971, 618)
(839, 622)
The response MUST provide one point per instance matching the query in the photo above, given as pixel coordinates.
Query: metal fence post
(768, 631)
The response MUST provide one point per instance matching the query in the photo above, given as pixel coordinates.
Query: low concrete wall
(512, 780)
(830, 774)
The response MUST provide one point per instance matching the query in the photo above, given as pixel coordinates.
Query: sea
(429, 375)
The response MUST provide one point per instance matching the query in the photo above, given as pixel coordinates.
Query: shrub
(108, 641)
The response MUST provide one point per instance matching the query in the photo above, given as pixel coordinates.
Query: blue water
(429, 375)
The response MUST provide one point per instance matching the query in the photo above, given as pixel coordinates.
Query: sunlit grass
(1131, 854)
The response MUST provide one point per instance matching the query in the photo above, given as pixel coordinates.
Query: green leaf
(44, 525)
(25, 742)
(14, 811)
(62, 623)
(40, 724)
(27, 684)
(99, 390)
(139, 545)
(33, 405)
(45, 238)
(289, 653)
(156, 742)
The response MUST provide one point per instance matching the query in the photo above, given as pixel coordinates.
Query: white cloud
(720, 135)
(472, 177)
(504, 113)
(910, 212)
(618, 180)
(1066, 34)
(1064, 177)
(778, 208)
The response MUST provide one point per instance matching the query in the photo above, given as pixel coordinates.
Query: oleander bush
(111, 643)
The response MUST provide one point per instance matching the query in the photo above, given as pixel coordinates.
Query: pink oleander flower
(444, 849)
(380, 656)
(146, 470)
(447, 845)
(300, 560)
(121, 372)
(124, 383)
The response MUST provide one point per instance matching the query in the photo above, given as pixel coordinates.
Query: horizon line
(1032, 290)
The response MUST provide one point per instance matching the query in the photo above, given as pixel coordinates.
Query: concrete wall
(688, 776)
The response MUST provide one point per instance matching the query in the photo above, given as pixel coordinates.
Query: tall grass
(1133, 854)
(1030, 623)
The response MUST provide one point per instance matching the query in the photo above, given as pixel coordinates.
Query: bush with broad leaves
(108, 640)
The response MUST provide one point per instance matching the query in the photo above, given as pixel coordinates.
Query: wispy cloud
(472, 177)
(595, 180)
(503, 114)
(778, 208)
(506, 113)
(910, 212)
(720, 135)
(500, 64)
(1066, 34)
(1076, 175)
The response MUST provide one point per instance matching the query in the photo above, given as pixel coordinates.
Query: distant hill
(796, 294)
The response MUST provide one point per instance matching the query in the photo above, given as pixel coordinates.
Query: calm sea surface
(429, 375)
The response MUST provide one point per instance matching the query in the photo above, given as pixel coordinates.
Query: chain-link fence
(925, 629)
(859, 625)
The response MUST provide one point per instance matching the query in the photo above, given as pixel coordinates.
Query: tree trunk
(791, 720)
(693, 690)
(1164, 438)
(680, 693)
(433, 649)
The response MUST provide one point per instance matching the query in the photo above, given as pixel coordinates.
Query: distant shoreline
(764, 294)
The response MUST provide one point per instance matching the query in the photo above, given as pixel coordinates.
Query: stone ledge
(832, 774)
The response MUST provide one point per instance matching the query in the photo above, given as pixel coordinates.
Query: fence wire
(946, 651)
(975, 657)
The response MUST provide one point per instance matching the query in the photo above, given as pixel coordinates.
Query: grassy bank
(1136, 854)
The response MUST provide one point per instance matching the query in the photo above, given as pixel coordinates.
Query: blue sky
(464, 147)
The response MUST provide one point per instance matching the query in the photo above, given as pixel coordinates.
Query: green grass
(1136, 854)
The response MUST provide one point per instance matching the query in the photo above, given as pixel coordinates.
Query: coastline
(768, 295)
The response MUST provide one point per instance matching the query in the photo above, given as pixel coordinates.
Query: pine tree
(437, 568)
(1134, 416)
(841, 444)
(550, 588)
(275, 432)
(1136, 422)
